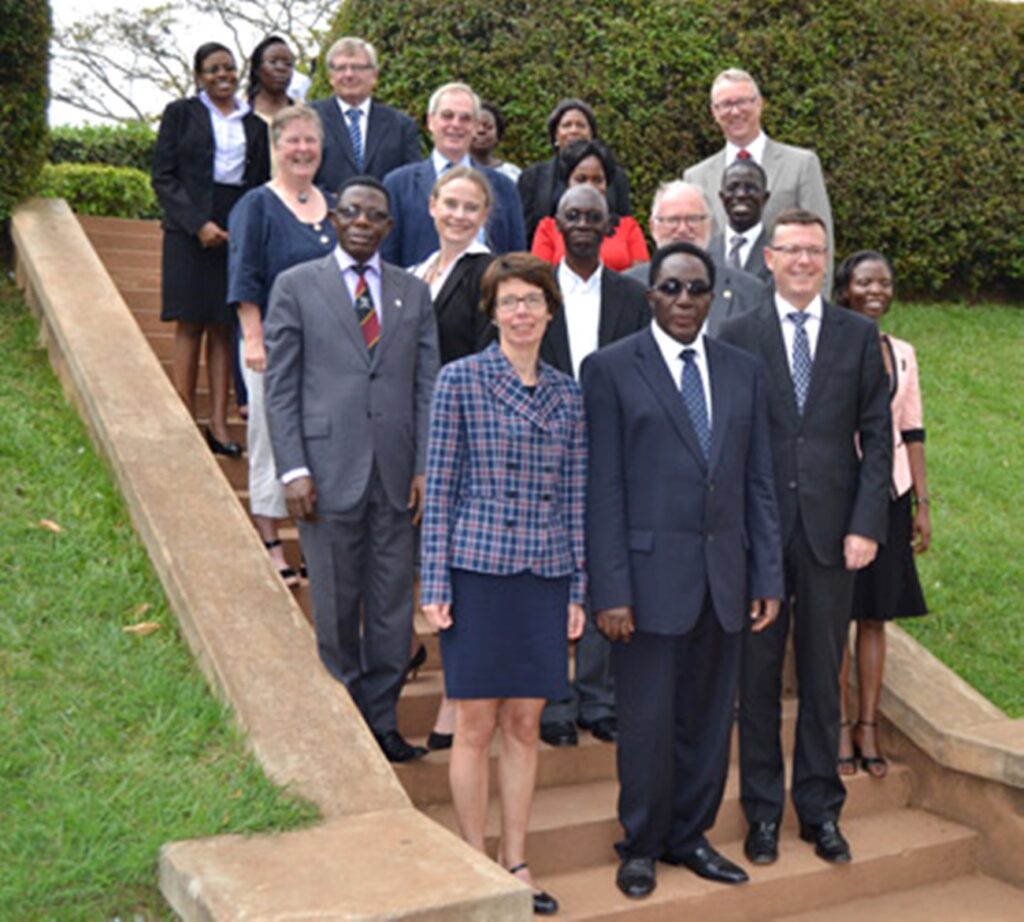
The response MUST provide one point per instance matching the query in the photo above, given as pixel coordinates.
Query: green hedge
(92, 188)
(914, 106)
(117, 145)
(24, 56)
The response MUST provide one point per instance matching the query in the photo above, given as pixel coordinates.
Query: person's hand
(254, 354)
(577, 618)
(439, 615)
(922, 529)
(415, 503)
(858, 551)
(211, 234)
(762, 613)
(300, 498)
(616, 623)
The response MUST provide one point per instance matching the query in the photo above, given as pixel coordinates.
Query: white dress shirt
(672, 352)
(228, 141)
(812, 325)
(421, 270)
(755, 148)
(582, 306)
(749, 236)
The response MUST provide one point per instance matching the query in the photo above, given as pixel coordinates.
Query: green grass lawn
(972, 374)
(110, 743)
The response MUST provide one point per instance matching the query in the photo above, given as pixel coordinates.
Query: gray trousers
(593, 693)
(361, 585)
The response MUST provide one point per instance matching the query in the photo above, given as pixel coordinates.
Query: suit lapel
(335, 123)
(774, 353)
(721, 395)
(555, 348)
(651, 368)
(606, 323)
(375, 131)
(539, 407)
(830, 338)
(334, 294)
(451, 285)
(394, 313)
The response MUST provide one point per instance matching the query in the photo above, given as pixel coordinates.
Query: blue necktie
(356, 136)
(693, 397)
(801, 358)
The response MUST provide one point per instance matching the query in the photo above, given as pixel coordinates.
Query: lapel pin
(398, 302)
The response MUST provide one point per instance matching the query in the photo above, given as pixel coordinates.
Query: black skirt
(194, 281)
(508, 637)
(889, 588)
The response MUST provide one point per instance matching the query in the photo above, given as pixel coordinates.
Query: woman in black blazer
(209, 151)
(540, 186)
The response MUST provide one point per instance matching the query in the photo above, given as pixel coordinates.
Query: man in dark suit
(361, 136)
(744, 194)
(828, 403)
(794, 174)
(452, 116)
(351, 359)
(685, 558)
(599, 307)
(680, 213)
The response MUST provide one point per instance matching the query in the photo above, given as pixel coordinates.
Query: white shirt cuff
(294, 474)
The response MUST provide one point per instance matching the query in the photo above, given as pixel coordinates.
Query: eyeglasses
(590, 216)
(351, 212)
(724, 105)
(673, 221)
(507, 304)
(350, 68)
(811, 252)
(672, 288)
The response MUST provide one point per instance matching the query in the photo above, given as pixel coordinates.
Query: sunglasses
(672, 288)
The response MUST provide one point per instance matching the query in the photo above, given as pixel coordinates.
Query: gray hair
(435, 98)
(676, 186)
(734, 75)
(296, 112)
(351, 45)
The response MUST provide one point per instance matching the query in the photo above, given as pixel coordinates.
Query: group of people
(673, 461)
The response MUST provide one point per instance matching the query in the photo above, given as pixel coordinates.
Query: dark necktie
(801, 358)
(735, 245)
(355, 135)
(369, 322)
(693, 396)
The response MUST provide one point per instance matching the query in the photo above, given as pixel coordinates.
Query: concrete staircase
(909, 864)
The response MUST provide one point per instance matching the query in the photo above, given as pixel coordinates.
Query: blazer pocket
(641, 539)
(316, 427)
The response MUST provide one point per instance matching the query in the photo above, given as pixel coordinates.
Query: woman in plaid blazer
(502, 572)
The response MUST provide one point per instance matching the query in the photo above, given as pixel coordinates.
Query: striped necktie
(692, 387)
(355, 135)
(366, 314)
(801, 358)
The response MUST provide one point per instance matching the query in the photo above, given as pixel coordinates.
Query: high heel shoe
(847, 765)
(544, 904)
(290, 577)
(875, 766)
(418, 658)
(437, 741)
(229, 449)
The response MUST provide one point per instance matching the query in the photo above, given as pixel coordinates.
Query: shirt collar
(241, 106)
(346, 261)
(755, 148)
(749, 235)
(440, 161)
(570, 283)
(672, 349)
(783, 307)
(363, 107)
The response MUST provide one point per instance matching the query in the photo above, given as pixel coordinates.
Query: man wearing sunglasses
(684, 557)
(599, 307)
(351, 360)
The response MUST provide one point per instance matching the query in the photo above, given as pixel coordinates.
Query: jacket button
(510, 523)
(546, 498)
(792, 484)
(373, 376)
(511, 494)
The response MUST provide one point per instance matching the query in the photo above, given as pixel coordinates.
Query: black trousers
(817, 608)
(675, 696)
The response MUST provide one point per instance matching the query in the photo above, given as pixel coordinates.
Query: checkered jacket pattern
(506, 474)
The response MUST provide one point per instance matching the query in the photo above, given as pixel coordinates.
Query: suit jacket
(755, 263)
(329, 406)
(664, 526)
(818, 474)
(795, 180)
(624, 310)
(462, 327)
(414, 238)
(907, 418)
(540, 190)
(392, 141)
(736, 292)
(182, 175)
(506, 473)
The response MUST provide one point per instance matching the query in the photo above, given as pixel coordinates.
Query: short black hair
(569, 158)
(500, 122)
(681, 246)
(750, 164)
(205, 50)
(567, 105)
(372, 181)
(844, 274)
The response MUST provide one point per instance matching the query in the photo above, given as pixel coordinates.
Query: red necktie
(744, 154)
(369, 322)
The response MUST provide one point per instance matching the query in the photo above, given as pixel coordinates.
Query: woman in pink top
(889, 588)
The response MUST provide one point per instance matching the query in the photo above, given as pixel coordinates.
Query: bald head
(680, 213)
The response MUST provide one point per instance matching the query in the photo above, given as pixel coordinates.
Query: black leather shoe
(636, 878)
(397, 749)
(544, 904)
(229, 449)
(605, 729)
(705, 862)
(828, 841)
(762, 843)
(436, 741)
(561, 733)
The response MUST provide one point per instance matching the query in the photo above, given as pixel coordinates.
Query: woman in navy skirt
(502, 559)
(889, 588)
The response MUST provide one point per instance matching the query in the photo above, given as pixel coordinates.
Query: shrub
(117, 145)
(914, 106)
(24, 57)
(95, 189)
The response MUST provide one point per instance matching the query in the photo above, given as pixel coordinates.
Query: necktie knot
(743, 154)
(689, 356)
(353, 115)
(360, 268)
(798, 318)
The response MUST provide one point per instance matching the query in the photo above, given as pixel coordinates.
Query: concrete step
(970, 898)
(573, 827)
(893, 850)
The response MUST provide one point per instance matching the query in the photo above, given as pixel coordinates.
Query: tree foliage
(914, 106)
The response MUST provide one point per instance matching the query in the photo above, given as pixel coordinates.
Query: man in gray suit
(744, 194)
(680, 214)
(351, 360)
(794, 173)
